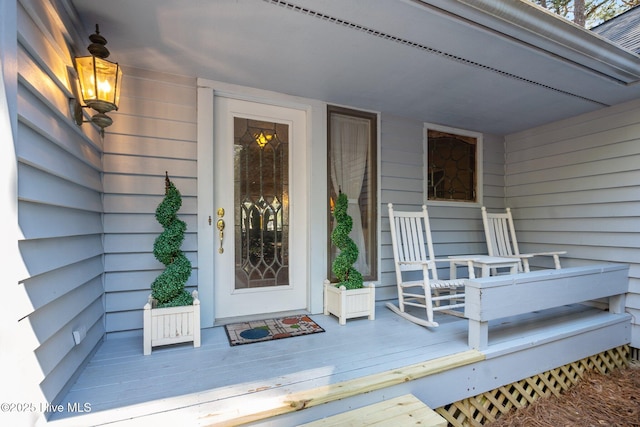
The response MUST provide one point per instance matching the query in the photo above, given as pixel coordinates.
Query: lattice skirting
(486, 407)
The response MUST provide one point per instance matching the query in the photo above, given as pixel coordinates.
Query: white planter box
(347, 304)
(171, 325)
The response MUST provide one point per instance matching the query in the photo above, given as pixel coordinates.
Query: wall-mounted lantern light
(100, 82)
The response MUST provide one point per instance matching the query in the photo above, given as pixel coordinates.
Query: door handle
(220, 227)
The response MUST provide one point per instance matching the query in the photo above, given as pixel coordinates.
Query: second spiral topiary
(168, 288)
(342, 266)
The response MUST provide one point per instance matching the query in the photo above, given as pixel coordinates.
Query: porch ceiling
(497, 66)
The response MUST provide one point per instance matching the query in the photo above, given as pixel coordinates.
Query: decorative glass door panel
(261, 200)
(260, 267)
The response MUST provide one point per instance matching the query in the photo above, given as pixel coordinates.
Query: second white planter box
(171, 325)
(347, 304)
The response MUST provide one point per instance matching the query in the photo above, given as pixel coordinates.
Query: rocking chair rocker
(408, 231)
(501, 240)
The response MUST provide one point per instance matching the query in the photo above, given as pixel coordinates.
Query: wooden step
(342, 390)
(405, 410)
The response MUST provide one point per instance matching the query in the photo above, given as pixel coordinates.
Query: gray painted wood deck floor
(119, 382)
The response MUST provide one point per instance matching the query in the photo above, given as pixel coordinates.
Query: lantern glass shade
(99, 83)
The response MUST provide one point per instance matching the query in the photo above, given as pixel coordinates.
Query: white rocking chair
(501, 240)
(408, 231)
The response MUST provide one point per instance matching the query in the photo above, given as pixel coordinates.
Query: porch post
(478, 334)
(617, 303)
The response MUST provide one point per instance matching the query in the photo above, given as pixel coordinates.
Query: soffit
(440, 61)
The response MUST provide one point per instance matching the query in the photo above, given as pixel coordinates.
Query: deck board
(181, 376)
(119, 375)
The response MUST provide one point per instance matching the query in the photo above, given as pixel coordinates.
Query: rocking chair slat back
(408, 236)
(500, 233)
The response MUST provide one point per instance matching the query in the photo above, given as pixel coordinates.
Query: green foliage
(587, 13)
(168, 288)
(342, 266)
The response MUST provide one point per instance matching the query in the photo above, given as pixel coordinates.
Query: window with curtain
(352, 162)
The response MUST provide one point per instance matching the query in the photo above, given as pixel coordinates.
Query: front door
(259, 258)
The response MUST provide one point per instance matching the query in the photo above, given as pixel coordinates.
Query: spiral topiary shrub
(168, 288)
(342, 266)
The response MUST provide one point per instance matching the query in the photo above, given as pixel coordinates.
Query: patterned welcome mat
(272, 329)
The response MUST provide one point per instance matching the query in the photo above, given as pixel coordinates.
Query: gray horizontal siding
(133, 184)
(574, 185)
(455, 229)
(493, 172)
(125, 243)
(137, 261)
(401, 183)
(59, 204)
(154, 131)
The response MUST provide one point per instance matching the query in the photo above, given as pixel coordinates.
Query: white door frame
(315, 259)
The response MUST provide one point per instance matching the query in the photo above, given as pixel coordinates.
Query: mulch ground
(611, 400)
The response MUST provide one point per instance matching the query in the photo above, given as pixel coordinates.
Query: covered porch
(302, 379)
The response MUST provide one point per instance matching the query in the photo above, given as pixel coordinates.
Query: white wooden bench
(402, 411)
(502, 296)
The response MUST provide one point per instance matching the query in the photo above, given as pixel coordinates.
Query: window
(453, 160)
(352, 164)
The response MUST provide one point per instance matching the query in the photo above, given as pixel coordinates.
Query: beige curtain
(349, 145)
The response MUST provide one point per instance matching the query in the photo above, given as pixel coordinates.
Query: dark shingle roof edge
(623, 29)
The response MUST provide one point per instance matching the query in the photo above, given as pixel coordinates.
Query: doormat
(271, 329)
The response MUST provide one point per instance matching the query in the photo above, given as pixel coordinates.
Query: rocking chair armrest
(544, 253)
(519, 256)
(456, 259)
(555, 255)
(414, 262)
